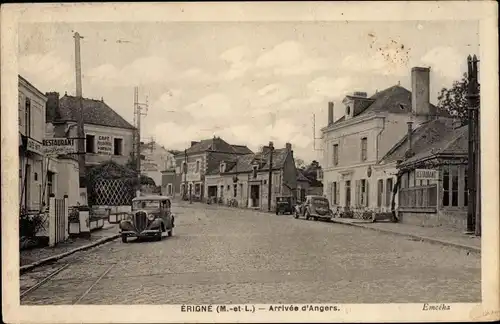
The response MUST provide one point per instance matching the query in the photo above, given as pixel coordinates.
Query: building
(155, 159)
(108, 136)
(245, 179)
(31, 107)
(370, 127)
(188, 177)
(432, 165)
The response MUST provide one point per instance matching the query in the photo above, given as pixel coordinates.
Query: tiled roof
(433, 136)
(244, 163)
(302, 177)
(242, 149)
(95, 112)
(396, 100)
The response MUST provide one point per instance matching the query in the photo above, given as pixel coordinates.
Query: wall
(456, 220)
(67, 180)
(37, 120)
(289, 181)
(112, 132)
(192, 177)
(169, 177)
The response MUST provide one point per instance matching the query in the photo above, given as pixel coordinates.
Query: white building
(31, 106)
(155, 159)
(370, 127)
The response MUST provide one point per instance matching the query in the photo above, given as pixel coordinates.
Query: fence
(418, 197)
(58, 220)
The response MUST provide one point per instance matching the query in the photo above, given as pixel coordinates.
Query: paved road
(222, 255)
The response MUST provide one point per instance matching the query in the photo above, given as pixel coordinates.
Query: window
(228, 187)
(466, 188)
(363, 193)
(388, 191)
(222, 167)
(348, 193)
(235, 189)
(454, 186)
(169, 189)
(118, 143)
(334, 193)
(27, 116)
(197, 166)
(90, 144)
(364, 145)
(335, 154)
(254, 170)
(446, 186)
(380, 192)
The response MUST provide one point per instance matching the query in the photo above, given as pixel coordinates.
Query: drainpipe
(410, 135)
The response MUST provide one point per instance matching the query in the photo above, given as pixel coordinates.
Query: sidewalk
(34, 257)
(439, 235)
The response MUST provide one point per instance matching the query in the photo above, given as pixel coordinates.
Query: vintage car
(284, 204)
(150, 217)
(314, 207)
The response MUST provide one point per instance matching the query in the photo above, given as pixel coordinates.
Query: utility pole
(80, 122)
(270, 181)
(138, 112)
(473, 210)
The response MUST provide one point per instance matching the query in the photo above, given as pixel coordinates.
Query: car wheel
(307, 216)
(296, 215)
(315, 219)
(124, 238)
(159, 234)
(170, 232)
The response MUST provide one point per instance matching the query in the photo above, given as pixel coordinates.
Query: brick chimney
(330, 113)
(52, 107)
(420, 91)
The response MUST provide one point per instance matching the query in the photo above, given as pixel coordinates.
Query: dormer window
(254, 171)
(348, 110)
(222, 167)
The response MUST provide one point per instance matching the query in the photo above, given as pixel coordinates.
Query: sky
(247, 82)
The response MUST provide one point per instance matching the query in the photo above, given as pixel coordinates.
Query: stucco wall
(452, 218)
(37, 120)
(127, 144)
(67, 180)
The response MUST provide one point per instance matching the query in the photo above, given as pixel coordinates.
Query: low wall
(456, 219)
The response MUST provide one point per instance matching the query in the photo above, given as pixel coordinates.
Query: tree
(454, 99)
(300, 164)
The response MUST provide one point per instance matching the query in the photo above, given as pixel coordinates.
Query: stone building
(154, 159)
(245, 178)
(187, 179)
(370, 127)
(108, 136)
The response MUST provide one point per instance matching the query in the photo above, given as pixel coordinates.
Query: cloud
(289, 58)
(142, 71)
(47, 71)
(270, 95)
(239, 60)
(329, 87)
(214, 105)
(446, 61)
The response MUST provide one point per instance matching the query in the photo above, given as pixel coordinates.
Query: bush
(30, 225)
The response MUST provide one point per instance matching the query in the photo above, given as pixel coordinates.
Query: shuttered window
(380, 192)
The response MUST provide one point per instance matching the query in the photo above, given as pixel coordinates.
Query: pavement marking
(44, 280)
(95, 283)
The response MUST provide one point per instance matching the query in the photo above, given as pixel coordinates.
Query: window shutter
(367, 192)
(357, 199)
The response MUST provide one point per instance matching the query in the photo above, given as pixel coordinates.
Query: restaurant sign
(426, 174)
(34, 146)
(104, 145)
(59, 146)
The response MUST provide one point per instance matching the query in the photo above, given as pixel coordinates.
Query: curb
(421, 238)
(29, 267)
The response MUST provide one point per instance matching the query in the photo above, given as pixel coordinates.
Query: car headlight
(151, 217)
(128, 217)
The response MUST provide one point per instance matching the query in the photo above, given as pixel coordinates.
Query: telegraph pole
(80, 121)
(270, 181)
(474, 209)
(138, 112)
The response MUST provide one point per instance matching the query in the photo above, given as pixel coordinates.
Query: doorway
(255, 195)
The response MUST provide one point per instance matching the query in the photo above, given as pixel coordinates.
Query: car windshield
(146, 204)
(320, 202)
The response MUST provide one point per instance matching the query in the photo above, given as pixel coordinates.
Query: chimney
(410, 133)
(330, 113)
(288, 147)
(420, 91)
(52, 106)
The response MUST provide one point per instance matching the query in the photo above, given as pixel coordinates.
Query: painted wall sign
(426, 174)
(192, 175)
(104, 145)
(59, 146)
(34, 146)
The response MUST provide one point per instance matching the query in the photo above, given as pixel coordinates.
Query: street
(223, 255)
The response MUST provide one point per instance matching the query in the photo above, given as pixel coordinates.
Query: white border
(485, 12)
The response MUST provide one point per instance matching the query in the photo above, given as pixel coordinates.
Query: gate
(58, 220)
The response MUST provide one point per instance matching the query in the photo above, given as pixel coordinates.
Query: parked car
(150, 217)
(284, 204)
(314, 207)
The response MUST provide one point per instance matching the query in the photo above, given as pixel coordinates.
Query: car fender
(155, 223)
(126, 225)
